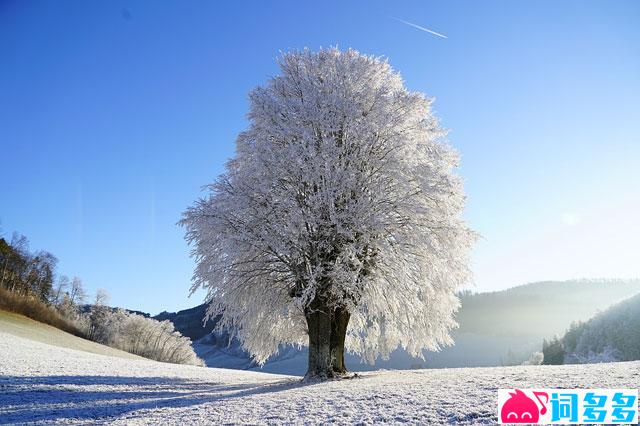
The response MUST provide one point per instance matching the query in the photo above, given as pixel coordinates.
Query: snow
(47, 384)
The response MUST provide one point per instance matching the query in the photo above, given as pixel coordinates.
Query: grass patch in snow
(32, 307)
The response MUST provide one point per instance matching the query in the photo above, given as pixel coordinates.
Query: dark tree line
(33, 275)
(24, 272)
(556, 349)
(553, 351)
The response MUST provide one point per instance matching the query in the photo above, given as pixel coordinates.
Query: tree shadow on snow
(89, 398)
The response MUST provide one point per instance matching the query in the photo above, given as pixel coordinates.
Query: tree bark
(318, 317)
(339, 323)
(327, 331)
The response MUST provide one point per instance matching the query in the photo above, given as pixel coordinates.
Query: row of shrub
(138, 335)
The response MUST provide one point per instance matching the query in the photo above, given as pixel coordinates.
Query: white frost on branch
(342, 184)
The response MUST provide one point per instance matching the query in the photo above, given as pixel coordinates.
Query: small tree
(57, 296)
(101, 327)
(69, 305)
(553, 351)
(338, 220)
(77, 293)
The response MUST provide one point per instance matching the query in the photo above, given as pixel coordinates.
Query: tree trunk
(327, 331)
(339, 323)
(318, 317)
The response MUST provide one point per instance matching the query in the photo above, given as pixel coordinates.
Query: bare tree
(77, 293)
(102, 297)
(60, 289)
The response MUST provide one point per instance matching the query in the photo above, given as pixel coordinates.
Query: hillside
(540, 309)
(497, 328)
(189, 322)
(612, 335)
(46, 384)
(23, 327)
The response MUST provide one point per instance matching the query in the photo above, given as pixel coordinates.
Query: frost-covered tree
(536, 358)
(338, 221)
(77, 293)
(59, 290)
(101, 320)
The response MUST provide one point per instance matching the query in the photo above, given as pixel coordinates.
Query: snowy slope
(47, 384)
(22, 326)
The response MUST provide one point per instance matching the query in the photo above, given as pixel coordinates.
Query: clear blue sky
(114, 114)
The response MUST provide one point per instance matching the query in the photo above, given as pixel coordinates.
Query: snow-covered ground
(48, 384)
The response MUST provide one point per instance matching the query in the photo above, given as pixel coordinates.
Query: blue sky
(114, 114)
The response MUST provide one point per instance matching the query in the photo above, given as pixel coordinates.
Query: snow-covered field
(48, 384)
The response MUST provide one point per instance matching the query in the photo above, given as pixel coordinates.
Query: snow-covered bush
(103, 323)
(140, 335)
(536, 358)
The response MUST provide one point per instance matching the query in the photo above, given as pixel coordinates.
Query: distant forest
(612, 335)
(27, 273)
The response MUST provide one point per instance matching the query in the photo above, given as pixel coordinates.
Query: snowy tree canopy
(342, 187)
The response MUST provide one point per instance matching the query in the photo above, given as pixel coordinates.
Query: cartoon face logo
(519, 408)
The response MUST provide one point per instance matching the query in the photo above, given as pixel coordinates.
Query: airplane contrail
(420, 28)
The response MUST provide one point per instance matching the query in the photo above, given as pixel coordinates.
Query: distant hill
(86, 308)
(496, 328)
(612, 335)
(540, 309)
(189, 322)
